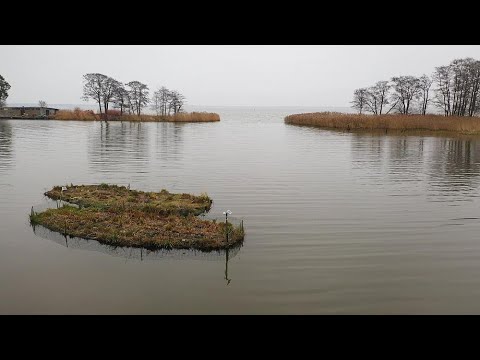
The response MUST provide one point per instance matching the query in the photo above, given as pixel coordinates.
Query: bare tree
(442, 78)
(461, 84)
(165, 96)
(93, 85)
(176, 101)
(360, 99)
(109, 90)
(406, 89)
(42, 104)
(424, 84)
(160, 100)
(101, 88)
(377, 97)
(474, 89)
(120, 98)
(4, 87)
(164, 101)
(155, 103)
(138, 95)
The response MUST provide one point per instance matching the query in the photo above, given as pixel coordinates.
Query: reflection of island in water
(446, 164)
(114, 145)
(138, 253)
(169, 141)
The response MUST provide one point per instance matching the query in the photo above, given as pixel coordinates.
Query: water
(337, 223)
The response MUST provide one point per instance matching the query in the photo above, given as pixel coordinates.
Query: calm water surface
(336, 222)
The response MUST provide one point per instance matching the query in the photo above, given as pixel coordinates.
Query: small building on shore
(24, 112)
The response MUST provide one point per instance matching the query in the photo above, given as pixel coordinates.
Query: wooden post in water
(228, 212)
(226, 226)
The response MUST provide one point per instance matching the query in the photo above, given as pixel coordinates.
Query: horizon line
(198, 105)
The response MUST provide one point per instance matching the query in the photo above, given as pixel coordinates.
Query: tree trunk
(105, 106)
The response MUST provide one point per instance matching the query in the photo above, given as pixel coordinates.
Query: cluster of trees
(403, 94)
(4, 87)
(165, 101)
(105, 90)
(457, 87)
(132, 96)
(456, 92)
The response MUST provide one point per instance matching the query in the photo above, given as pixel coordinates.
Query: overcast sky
(220, 75)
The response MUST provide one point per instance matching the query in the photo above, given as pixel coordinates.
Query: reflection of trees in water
(367, 147)
(169, 141)
(406, 158)
(116, 145)
(387, 157)
(6, 144)
(450, 164)
(454, 164)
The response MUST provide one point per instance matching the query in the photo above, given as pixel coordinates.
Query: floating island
(117, 216)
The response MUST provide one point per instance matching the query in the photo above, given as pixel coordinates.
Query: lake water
(337, 223)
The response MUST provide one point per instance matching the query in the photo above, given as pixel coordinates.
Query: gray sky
(220, 75)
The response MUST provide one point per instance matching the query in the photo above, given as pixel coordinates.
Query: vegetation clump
(115, 215)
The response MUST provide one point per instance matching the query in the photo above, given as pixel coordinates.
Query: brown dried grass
(114, 115)
(76, 114)
(333, 120)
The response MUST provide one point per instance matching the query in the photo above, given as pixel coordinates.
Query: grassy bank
(88, 115)
(115, 215)
(332, 120)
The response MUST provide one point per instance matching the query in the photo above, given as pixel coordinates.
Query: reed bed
(89, 115)
(76, 114)
(333, 120)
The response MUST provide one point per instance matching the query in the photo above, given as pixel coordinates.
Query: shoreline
(394, 132)
(88, 115)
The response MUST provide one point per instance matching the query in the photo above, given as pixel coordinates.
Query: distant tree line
(129, 97)
(456, 92)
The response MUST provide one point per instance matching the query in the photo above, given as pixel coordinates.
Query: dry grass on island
(333, 120)
(117, 216)
(113, 115)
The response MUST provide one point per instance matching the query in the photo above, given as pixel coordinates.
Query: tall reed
(76, 114)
